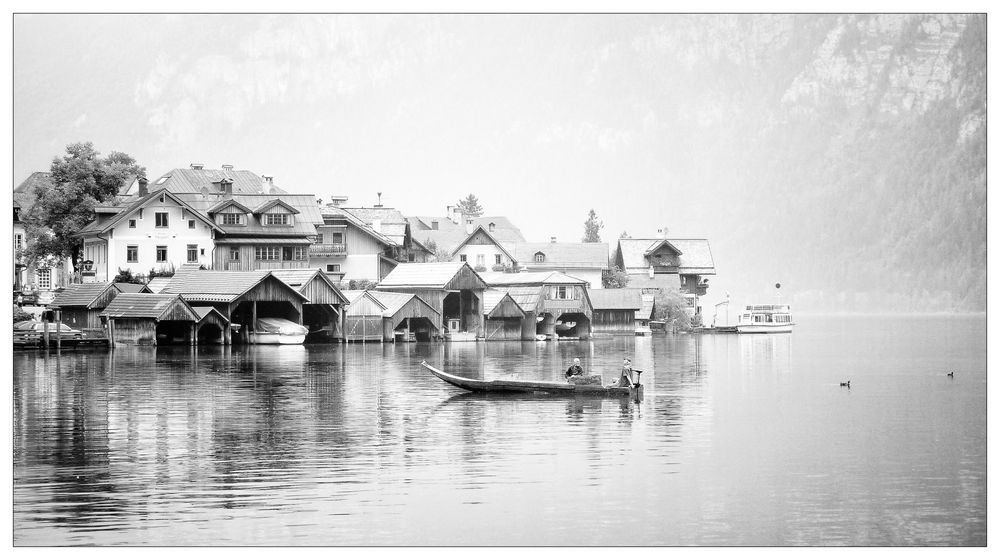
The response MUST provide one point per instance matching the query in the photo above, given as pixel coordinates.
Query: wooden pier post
(58, 329)
(45, 331)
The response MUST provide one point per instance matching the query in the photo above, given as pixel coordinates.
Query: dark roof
(218, 285)
(621, 298)
(194, 180)
(81, 295)
(145, 306)
(563, 255)
(33, 180)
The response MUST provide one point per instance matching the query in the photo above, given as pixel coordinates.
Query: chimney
(662, 232)
(468, 226)
(379, 205)
(227, 187)
(268, 186)
(552, 239)
(143, 186)
(453, 214)
(198, 166)
(227, 166)
(434, 224)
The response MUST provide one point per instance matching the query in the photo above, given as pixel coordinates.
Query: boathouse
(562, 307)
(240, 296)
(362, 317)
(150, 319)
(453, 289)
(615, 310)
(211, 327)
(323, 313)
(80, 305)
(504, 319)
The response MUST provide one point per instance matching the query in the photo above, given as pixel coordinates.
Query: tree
(469, 206)
(79, 181)
(669, 307)
(615, 278)
(592, 228)
(624, 235)
(438, 254)
(128, 277)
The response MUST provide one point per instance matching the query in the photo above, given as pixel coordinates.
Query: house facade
(391, 223)
(348, 249)
(586, 261)
(447, 232)
(655, 264)
(484, 252)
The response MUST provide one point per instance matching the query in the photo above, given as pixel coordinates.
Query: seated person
(575, 369)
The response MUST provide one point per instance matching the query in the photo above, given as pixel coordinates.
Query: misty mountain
(852, 152)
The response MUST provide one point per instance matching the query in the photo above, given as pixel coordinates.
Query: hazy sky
(543, 117)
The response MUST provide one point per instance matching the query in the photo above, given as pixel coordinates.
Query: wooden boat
(554, 388)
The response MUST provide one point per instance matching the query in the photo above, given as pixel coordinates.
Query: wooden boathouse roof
(94, 295)
(158, 307)
(431, 276)
(620, 298)
(499, 303)
(222, 286)
(312, 283)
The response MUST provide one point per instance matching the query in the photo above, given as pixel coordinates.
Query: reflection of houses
(241, 297)
(449, 231)
(452, 289)
(151, 319)
(323, 311)
(615, 310)
(560, 304)
(388, 316)
(348, 249)
(81, 305)
(484, 252)
(586, 261)
(504, 319)
(645, 313)
(655, 264)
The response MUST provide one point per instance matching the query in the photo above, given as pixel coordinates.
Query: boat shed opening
(453, 289)
(504, 319)
(323, 313)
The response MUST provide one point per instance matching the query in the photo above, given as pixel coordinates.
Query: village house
(392, 224)
(658, 263)
(44, 277)
(586, 261)
(81, 305)
(484, 252)
(449, 231)
(348, 249)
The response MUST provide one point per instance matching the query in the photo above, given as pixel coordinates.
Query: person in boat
(625, 379)
(575, 369)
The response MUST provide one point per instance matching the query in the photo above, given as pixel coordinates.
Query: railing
(328, 249)
(274, 265)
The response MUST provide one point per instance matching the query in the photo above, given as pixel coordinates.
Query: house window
(132, 253)
(234, 253)
(562, 292)
(480, 260)
(192, 253)
(131, 223)
(44, 279)
(539, 257)
(267, 253)
(293, 253)
(18, 241)
(411, 257)
(462, 258)
(161, 219)
(161, 253)
(276, 219)
(190, 224)
(497, 257)
(232, 219)
(336, 237)
(333, 268)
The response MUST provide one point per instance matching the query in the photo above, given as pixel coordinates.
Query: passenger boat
(272, 330)
(774, 318)
(555, 388)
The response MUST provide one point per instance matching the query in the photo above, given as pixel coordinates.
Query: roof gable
(477, 236)
(305, 279)
(90, 295)
(271, 204)
(660, 245)
(98, 227)
(225, 204)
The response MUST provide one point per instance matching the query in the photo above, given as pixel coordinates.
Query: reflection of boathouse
(388, 316)
(559, 304)
(452, 289)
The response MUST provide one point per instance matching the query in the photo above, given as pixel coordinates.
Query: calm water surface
(740, 440)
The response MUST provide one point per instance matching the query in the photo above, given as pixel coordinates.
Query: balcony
(328, 250)
(278, 265)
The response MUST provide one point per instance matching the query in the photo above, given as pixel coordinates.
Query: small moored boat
(535, 387)
(273, 330)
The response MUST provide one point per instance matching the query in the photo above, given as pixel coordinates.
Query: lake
(739, 440)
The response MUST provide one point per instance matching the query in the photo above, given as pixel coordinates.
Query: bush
(21, 315)
(361, 285)
(614, 278)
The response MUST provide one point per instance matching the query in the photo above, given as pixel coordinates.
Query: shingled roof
(493, 297)
(146, 306)
(424, 275)
(563, 255)
(620, 298)
(449, 234)
(82, 295)
(218, 285)
(194, 180)
(695, 257)
(526, 297)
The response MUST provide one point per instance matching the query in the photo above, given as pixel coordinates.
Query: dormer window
(232, 219)
(539, 257)
(277, 219)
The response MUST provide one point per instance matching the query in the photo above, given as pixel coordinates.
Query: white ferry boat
(775, 318)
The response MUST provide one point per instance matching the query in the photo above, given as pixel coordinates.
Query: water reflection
(357, 444)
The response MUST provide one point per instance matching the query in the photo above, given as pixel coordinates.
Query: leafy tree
(80, 180)
(469, 206)
(128, 277)
(615, 278)
(669, 306)
(592, 228)
(21, 315)
(438, 254)
(361, 285)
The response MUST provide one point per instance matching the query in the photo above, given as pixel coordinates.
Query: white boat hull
(266, 338)
(460, 337)
(750, 329)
